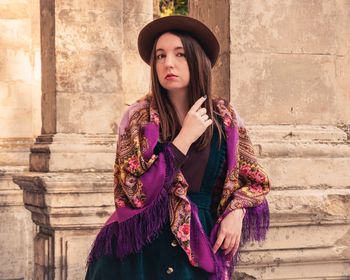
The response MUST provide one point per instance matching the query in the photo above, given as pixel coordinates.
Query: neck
(178, 98)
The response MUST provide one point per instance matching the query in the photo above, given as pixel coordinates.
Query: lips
(169, 76)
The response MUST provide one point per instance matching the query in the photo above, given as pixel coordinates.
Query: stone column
(19, 122)
(90, 71)
(288, 78)
(216, 15)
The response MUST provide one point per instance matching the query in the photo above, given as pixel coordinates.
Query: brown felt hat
(197, 29)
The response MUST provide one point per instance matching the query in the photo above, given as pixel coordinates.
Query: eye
(181, 54)
(159, 56)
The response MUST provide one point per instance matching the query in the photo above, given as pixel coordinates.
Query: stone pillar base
(70, 196)
(69, 152)
(69, 209)
(17, 230)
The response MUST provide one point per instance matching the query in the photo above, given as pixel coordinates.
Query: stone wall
(90, 72)
(288, 67)
(19, 68)
(290, 61)
(19, 123)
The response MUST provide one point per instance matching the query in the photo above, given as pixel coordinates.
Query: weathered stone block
(295, 172)
(15, 34)
(271, 266)
(11, 118)
(88, 48)
(298, 134)
(299, 236)
(59, 199)
(91, 4)
(15, 64)
(43, 258)
(310, 206)
(88, 30)
(284, 27)
(16, 234)
(89, 72)
(69, 243)
(342, 27)
(87, 112)
(14, 9)
(284, 89)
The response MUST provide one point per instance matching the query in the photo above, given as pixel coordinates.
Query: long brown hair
(199, 85)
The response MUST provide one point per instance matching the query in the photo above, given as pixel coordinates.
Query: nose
(169, 61)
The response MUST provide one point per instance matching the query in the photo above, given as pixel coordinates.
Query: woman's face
(171, 64)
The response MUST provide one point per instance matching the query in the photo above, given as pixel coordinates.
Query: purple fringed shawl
(150, 189)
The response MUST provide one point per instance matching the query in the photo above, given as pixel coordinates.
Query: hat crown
(195, 28)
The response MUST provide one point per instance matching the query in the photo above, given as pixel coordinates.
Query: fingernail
(205, 96)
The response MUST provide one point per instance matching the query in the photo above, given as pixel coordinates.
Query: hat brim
(198, 30)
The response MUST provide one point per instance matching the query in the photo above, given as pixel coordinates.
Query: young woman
(188, 189)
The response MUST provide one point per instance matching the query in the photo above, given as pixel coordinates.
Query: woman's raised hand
(194, 124)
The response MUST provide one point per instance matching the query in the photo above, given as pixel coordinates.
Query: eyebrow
(177, 48)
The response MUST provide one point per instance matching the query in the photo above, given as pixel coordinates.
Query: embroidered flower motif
(245, 170)
(184, 232)
(137, 202)
(130, 181)
(133, 163)
(259, 177)
(120, 202)
(180, 190)
(256, 188)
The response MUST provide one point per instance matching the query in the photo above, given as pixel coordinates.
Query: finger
(204, 117)
(231, 246)
(202, 111)
(235, 249)
(208, 122)
(198, 104)
(226, 243)
(218, 243)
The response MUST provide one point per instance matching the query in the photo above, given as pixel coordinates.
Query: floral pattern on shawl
(245, 185)
(180, 215)
(130, 164)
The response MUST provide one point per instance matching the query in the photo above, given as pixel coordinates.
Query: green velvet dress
(164, 257)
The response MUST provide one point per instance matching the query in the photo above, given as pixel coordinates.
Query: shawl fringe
(121, 239)
(256, 222)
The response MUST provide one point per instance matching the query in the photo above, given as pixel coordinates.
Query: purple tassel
(256, 223)
(122, 239)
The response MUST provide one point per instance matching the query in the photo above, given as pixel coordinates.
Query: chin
(169, 88)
